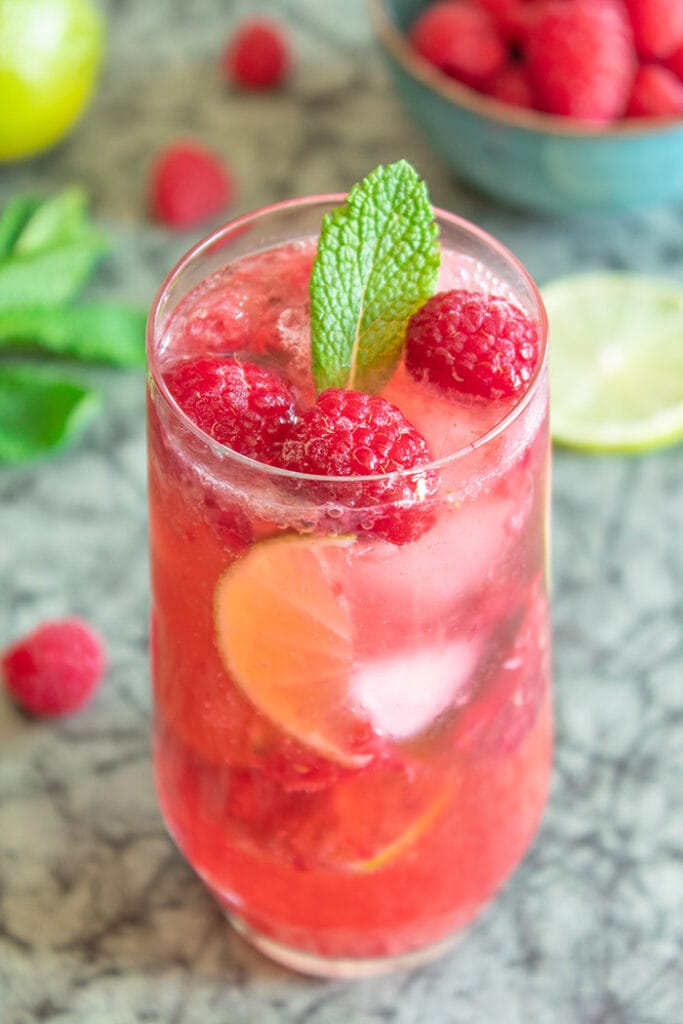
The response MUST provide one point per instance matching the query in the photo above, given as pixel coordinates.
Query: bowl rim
(397, 45)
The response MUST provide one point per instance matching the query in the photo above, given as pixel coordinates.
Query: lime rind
(616, 361)
(408, 839)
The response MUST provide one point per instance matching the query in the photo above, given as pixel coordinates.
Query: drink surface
(352, 736)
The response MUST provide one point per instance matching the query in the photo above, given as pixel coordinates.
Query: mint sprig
(49, 249)
(377, 262)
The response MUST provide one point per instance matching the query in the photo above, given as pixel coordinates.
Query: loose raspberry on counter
(349, 433)
(188, 184)
(460, 38)
(581, 59)
(657, 26)
(240, 404)
(257, 56)
(657, 92)
(55, 669)
(472, 343)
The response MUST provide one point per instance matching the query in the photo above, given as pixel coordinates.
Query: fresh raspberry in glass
(240, 404)
(472, 343)
(55, 669)
(348, 434)
(188, 184)
(257, 56)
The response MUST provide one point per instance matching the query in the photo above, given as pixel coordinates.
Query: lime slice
(373, 819)
(408, 838)
(616, 361)
(285, 637)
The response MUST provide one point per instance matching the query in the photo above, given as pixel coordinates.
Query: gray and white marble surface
(101, 922)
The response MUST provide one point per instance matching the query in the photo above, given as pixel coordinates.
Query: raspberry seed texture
(348, 434)
(472, 343)
(240, 404)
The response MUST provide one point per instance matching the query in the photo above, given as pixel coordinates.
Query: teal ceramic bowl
(524, 158)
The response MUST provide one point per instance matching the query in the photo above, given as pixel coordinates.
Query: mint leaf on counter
(61, 218)
(49, 249)
(377, 262)
(15, 216)
(98, 332)
(40, 411)
(54, 274)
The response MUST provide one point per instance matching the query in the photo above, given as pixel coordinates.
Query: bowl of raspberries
(560, 106)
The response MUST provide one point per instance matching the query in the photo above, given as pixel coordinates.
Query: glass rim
(332, 199)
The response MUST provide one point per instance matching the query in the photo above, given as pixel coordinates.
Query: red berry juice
(349, 818)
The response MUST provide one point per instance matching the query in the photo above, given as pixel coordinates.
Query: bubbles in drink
(460, 271)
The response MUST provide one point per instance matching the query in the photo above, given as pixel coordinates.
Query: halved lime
(616, 361)
(50, 57)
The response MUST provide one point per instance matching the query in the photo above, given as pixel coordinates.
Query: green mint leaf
(100, 332)
(51, 275)
(61, 218)
(40, 411)
(377, 262)
(15, 216)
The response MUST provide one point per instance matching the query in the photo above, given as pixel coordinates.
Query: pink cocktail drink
(351, 678)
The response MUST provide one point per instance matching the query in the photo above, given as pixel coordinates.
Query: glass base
(338, 967)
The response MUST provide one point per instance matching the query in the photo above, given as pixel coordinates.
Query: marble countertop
(100, 919)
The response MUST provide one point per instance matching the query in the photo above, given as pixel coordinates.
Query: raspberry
(348, 433)
(656, 92)
(513, 17)
(55, 669)
(242, 405)
(257, 56)
(460, 38)
(499, 9)
(581, 59)
(511, 85)
(188, 184)
(657, 26)
(674, 62)
(472, 343)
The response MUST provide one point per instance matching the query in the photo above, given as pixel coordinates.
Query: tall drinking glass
(352, 734)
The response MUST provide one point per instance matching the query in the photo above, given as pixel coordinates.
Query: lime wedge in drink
(286, 639)
(616, 361)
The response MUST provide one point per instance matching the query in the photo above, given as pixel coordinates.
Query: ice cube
(403, 693)
(408, 594)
